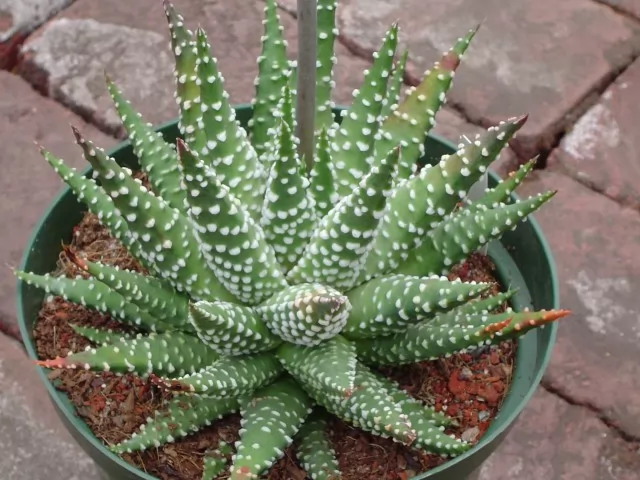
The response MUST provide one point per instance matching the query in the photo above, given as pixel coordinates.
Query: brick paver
(540, 58)
(553, 440)
(34, 443)
(67, 57)
(601, 150)
(595, 244)
(28, 183)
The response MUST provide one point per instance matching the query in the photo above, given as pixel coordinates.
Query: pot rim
(72, 419)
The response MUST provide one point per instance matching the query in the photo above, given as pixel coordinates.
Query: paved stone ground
(32, 439)
(570, 64)
(28, 183)
(517, 62)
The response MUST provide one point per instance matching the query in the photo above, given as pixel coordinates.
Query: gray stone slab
(74, 54)
(24, 16)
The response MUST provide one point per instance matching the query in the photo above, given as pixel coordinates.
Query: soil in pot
(470, 388)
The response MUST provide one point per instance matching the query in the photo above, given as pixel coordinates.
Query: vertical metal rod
(305, 99)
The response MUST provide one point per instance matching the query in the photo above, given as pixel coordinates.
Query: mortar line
(608, 422)
(84, 116)
(618, 11)
(10, 330)
(562, 169)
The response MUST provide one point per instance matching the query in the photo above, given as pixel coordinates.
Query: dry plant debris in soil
(469, 387)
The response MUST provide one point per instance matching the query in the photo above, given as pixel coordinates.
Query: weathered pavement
(570, 64)
(33, 442)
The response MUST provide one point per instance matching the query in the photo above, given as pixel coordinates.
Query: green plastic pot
(522, 258)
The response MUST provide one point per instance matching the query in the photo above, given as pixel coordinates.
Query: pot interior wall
(522, 258)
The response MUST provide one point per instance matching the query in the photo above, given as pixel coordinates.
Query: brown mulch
(470, 388)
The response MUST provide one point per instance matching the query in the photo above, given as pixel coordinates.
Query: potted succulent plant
(278, 265)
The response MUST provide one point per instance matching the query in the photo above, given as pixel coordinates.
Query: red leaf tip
(58, 362)
(496, 327)
(519, 121)
(77, 134)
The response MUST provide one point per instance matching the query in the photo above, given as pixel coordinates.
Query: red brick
(34, 442)
(553, 440)
(596, 246)
(602, 148)
(28, 183)
(541, 58)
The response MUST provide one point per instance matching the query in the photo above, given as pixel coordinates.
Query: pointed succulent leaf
(99, 203)
(432, 438)
(353, 144)
(314, 449)
(228, 149)
(410, 123)
(305, 314)
(269, 422)
(417, 411)
(93, 294)
(283, 113)
(430, 340)
(428, 424)
(322, 185)
(336, 252)
(500, 193)
(100, 336)
(166, 236)
(169, 353)
(330, 365)
(454, 239)
(286, 113)
(215, 461)
(184, 415)
(273, 75)
(148, 293)
(474, 313)
(483, 305)
(325, 61)
(392, 97)
(389, 304)
(185, 52)
(369, 407)
(419, 204)
(234, 245)
(518, 324)
(157, 158)
(287, 212)
(231, 376)
(231, 329)
(522, 322)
